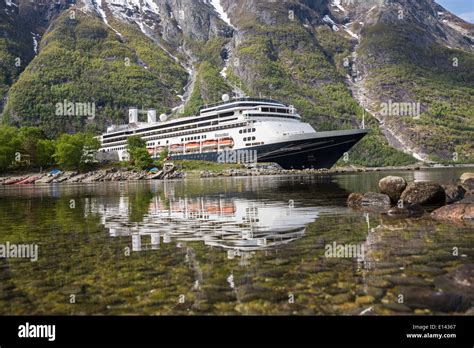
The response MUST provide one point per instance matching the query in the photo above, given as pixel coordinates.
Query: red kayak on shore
(24, 181)
(14, 181)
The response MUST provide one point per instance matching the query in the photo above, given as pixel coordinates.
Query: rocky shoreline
(91, 177)
(120, 174)
(272, 171)
(398, 198)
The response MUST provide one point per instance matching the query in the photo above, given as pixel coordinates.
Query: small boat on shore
(28, 180)
(14, 181)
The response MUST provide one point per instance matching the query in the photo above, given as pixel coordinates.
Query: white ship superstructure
(250, 128)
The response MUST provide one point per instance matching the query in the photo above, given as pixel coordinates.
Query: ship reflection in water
(233, 224)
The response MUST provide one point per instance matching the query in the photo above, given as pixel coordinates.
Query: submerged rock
(460, 282)
(368, 200)
(454, 193)
(375, 199)
(365, 300)
(417, 297)
(341, 298)
(412, 210)
(393, 186)
(468, 198)
(355, 200)
(455, 212)
(424, 193)
(468, 184)
(466, 176)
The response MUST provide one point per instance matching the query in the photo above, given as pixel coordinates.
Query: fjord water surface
(226, 246)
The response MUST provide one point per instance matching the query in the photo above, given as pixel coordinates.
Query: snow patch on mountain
(96, 6)
(337, 3)
(101, 11)
(35, 42)
(141, 5)
(458, 28)
(328, 20)
(349, 31)
(220, 10)
(10, 3)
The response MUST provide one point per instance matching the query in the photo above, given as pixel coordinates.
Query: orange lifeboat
(156, 151)
(177, 148)
(209, 143)
(191, 146)
(212, 209)
(228, 209)
(227, 142)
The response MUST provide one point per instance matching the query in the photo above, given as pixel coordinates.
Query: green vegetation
(76, 152)
(9, 146)
(209, 51)
(45, 150)
(28, 147)
(209, 88)
(190, 166)
(137, 150)
(439, 78)
(83, 61)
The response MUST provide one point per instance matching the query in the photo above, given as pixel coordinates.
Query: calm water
(227, 246)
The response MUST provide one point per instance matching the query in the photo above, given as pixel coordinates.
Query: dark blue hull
(318, 151)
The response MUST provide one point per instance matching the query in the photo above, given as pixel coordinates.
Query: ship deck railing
(244, 99)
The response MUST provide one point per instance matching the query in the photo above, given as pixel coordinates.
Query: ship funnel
(152, 116)
(133, 115)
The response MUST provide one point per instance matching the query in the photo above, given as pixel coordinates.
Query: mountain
(20, 28)
(337, 61)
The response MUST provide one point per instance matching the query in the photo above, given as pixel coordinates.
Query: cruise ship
(239, 130)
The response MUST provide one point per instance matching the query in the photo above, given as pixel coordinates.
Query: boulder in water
(424, 193)
(393, 186)
(455, 212)
(466, 176)
(468, 184)
(454, 193)
(355, 200)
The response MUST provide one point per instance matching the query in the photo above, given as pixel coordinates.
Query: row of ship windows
(151, 144)
(168, 131)
(243, 131)
(200, 131)
(182, 133)
(175, 124)
(191, 123)
(255, 144)
(115, 149)
(199, 137)
(281, 111)
(273, 116)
